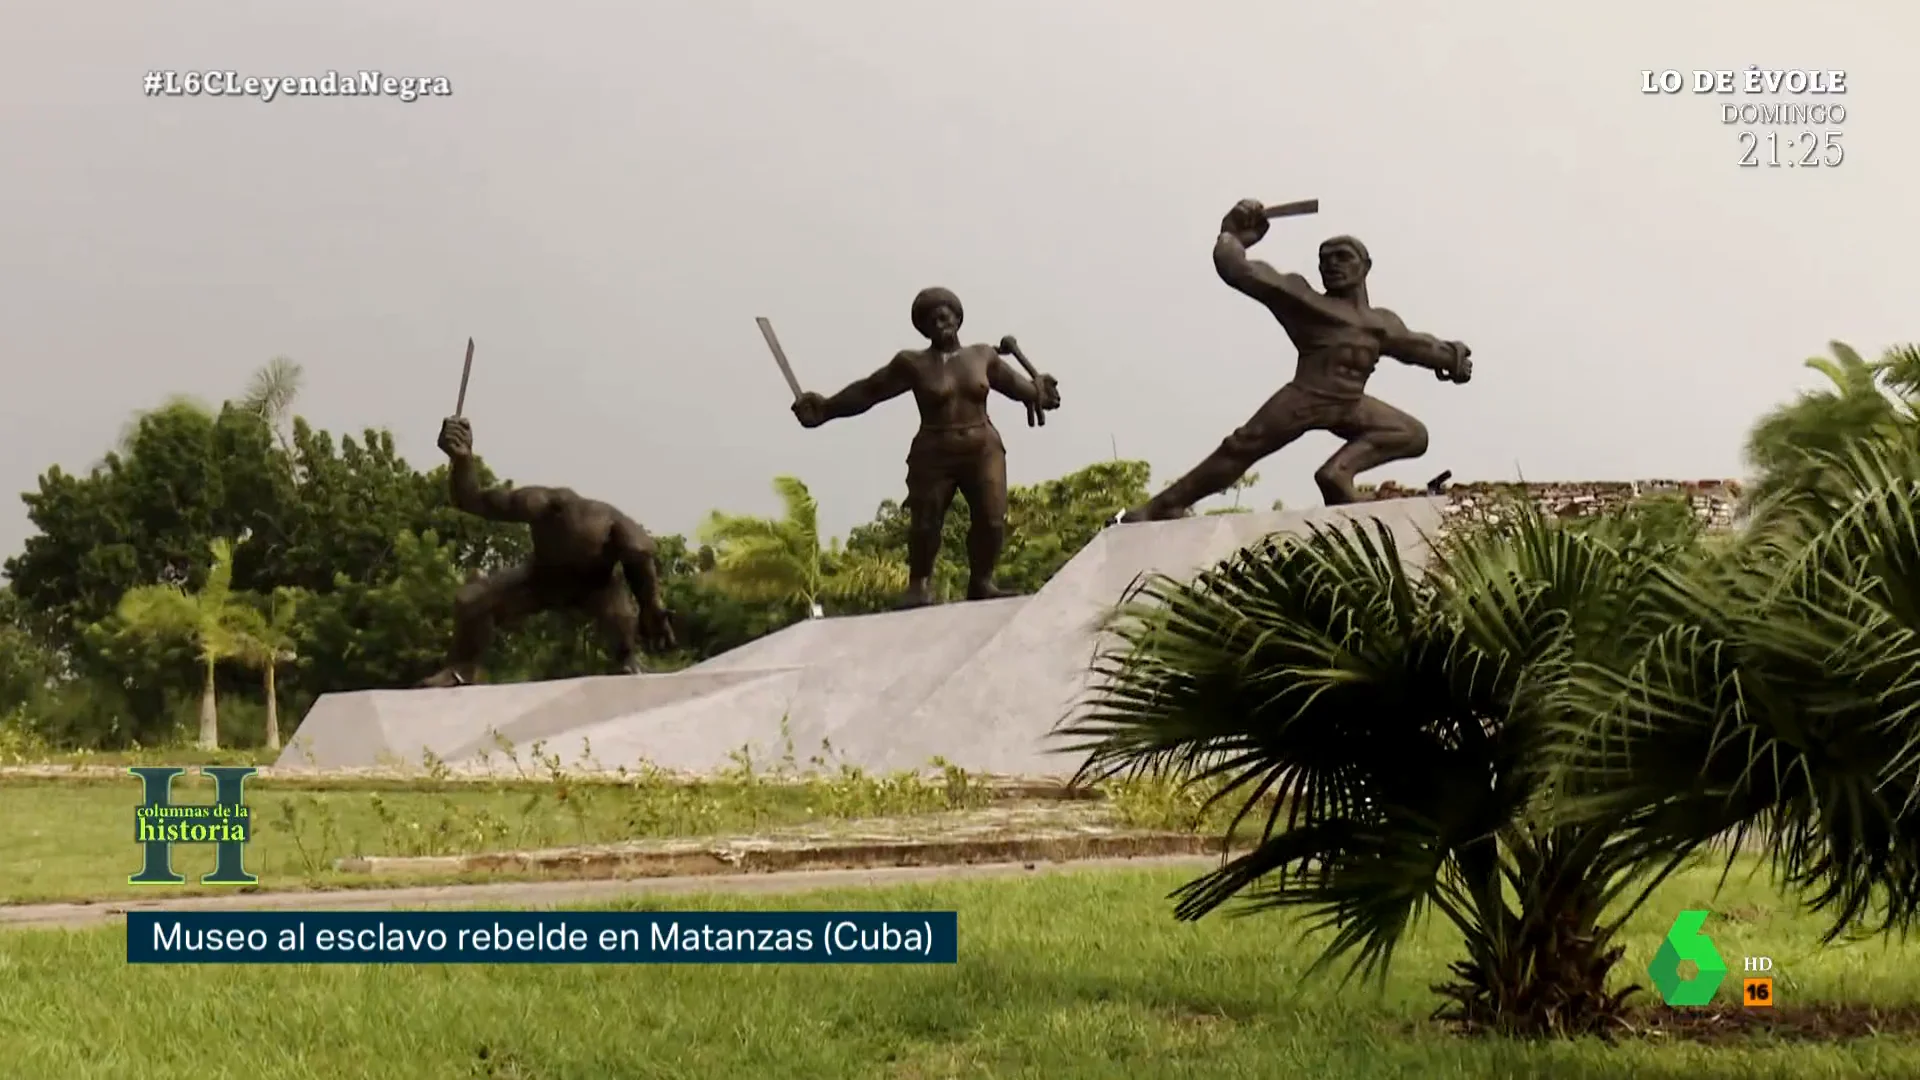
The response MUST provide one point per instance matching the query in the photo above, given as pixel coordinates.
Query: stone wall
(1715, 502)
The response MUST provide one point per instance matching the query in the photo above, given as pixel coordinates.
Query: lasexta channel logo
(1686, 942)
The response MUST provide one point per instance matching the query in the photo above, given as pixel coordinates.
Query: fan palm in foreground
(1533, 732)
(1397, 735)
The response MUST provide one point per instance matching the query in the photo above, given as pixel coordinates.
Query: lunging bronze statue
(957, 448)
(582, 548)
(1341, 338)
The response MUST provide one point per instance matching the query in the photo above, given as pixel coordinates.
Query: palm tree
(1790, 444)
(782, 561)
(214, 619)
(1392, 737)
(266, 642)
(270, 395)
(1785, 708)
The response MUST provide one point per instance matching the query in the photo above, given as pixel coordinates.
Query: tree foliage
(350, 559)
(212, 619)
(784, 562)
(28, 667)
(147, 514)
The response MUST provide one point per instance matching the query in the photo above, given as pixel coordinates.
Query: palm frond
(762, 568)
(1848, 371)
(1786, 700)
(1377, 723)
(800, 513)
(721, 530)
(1900, 371)
(1865, 400)
(159, 610)
(284, 611)
(862, 577)
(769, 559)
(272, 389)
(219, 584)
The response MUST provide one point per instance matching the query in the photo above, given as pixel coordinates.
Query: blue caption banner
(542, 937)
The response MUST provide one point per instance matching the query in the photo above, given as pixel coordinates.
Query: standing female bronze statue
(957, 448)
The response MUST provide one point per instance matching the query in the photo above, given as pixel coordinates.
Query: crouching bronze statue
(587, 557)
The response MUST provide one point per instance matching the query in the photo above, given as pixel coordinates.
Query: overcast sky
(614, 191)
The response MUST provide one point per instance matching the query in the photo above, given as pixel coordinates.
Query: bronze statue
(581, 550)
(957, 448)
(1341, 338)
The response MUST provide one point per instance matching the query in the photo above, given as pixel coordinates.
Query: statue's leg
(1286, 416)
(640, 567)
(1376, 434)
(479, 606)
(618, 615)
(984, 485)
(930, 489)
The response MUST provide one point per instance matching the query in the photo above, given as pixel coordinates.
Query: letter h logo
(159, 823)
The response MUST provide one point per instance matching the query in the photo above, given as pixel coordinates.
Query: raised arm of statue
(889, 382)
(1277, 290)
(1242, 227)
(463, 481)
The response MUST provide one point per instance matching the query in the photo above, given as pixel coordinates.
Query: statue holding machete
(587, 556)
(1341, 337)
(957, 449)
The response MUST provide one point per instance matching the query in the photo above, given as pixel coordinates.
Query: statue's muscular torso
(1340, 342)
(575, 535)
(576, 540)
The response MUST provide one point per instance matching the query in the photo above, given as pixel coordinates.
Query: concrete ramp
(1014, 689)
(841, 686)
(819, 684)
(979, 684)
(370, 728)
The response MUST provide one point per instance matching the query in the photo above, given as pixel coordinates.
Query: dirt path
(559, 893)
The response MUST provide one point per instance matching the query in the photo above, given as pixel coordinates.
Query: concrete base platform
(980, 685)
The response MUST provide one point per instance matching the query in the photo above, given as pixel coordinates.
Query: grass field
(67, 839)
(1060, 976)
